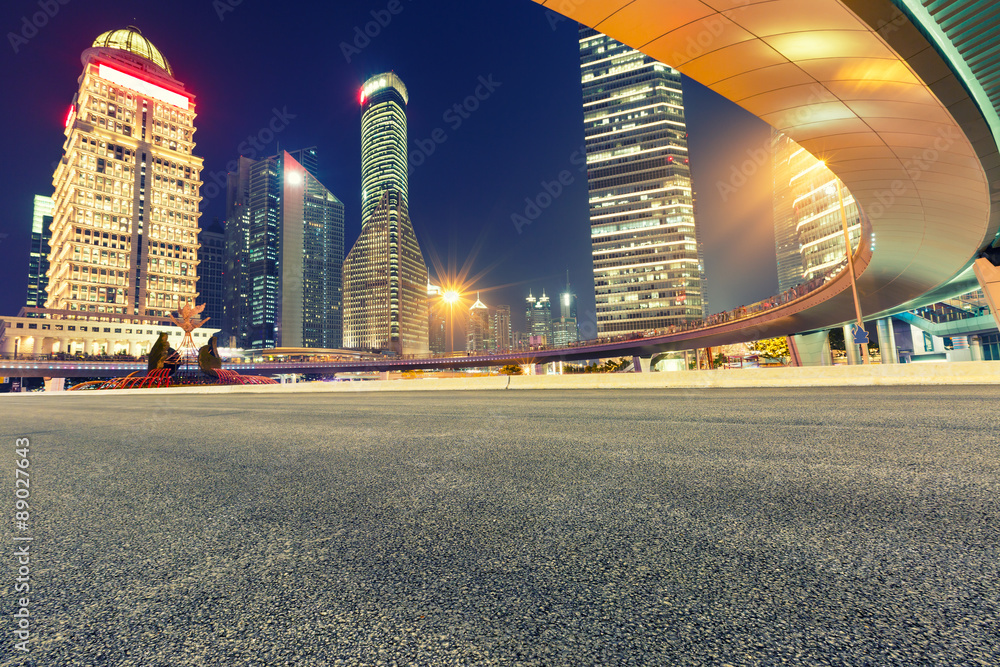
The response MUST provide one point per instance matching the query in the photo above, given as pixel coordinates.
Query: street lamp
(450, 297)
(850, 265)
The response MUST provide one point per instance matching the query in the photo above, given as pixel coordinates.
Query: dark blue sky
(249, 61)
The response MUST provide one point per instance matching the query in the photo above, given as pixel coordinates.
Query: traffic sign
(860, 335)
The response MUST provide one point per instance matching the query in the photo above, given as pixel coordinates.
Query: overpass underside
(858, 84)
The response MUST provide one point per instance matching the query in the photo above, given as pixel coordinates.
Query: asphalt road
(699, 527)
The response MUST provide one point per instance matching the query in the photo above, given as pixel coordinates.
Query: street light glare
(450, 296)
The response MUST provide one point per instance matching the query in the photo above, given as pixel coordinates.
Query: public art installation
(168, 367)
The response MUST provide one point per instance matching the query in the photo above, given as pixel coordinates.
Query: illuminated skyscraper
(211, 271)
(385, 276)
(125, 218)
(285, 244)
(808, 229)
(383, 140)
(538, 317)
(38, 259)
(564, 329)
(501, 329)
(479, 333)
(647, 271)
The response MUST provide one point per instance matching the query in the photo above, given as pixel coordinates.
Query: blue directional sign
(860, 335)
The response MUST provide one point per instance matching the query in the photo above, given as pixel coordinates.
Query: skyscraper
(501, 329)
(383, 140)
(564, 329)
(211, 270)
(538, 318)
(38, 259)
(385, 276)
(285, 248)
(479, 333)
(647, 271)
(808, 228)
(125, 218)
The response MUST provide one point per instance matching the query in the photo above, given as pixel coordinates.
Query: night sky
(249, 61)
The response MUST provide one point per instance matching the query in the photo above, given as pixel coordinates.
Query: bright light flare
(451, 296)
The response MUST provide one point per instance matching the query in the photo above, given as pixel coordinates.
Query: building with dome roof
(126, 192)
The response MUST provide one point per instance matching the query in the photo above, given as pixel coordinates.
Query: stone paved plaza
(854, 526)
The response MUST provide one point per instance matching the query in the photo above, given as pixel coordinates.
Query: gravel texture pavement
(662, 527)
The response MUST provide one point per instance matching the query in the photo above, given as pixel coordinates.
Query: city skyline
(488, 158)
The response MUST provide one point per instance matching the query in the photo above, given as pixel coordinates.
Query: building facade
(284, 257)
(479, 333)
(647, 268)
(502, 333)
(383, 140)
(538, 319)
(385, 276)
(38, 257)
(564, 329)
(211, 270)
(126, 191)
(808, 227)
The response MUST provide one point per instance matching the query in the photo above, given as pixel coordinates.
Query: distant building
(38, 259)
(211, 269)
(647, 263)
(564, 330)
(538, 318)
(285, 248)
(808, 228)
(479, 333)
(503, 337)
(385, 276)
(436, 323)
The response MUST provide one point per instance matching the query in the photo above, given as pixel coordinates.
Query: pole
(451, 327)
(850, 265)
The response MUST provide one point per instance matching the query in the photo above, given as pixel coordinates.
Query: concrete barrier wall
(968, 372)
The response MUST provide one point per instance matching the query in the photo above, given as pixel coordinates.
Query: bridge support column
(976, 347)
(989, 280)
(55, 384)
(641, 364)
(887, 341)
(853, 351)
(811, 349)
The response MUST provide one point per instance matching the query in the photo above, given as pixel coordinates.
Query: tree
(511, 369)
(771, 348)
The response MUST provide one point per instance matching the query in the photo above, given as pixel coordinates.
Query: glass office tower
(385, 276)
(808, 228)
(647, 269)
(38, 259)
(285, 248)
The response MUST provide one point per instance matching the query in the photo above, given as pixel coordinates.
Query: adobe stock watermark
(363, 35)
(740, 174)
(563, 10)
(551, 191)
(30, 25)
(223, 7)
(454, 116)
(251, 147)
